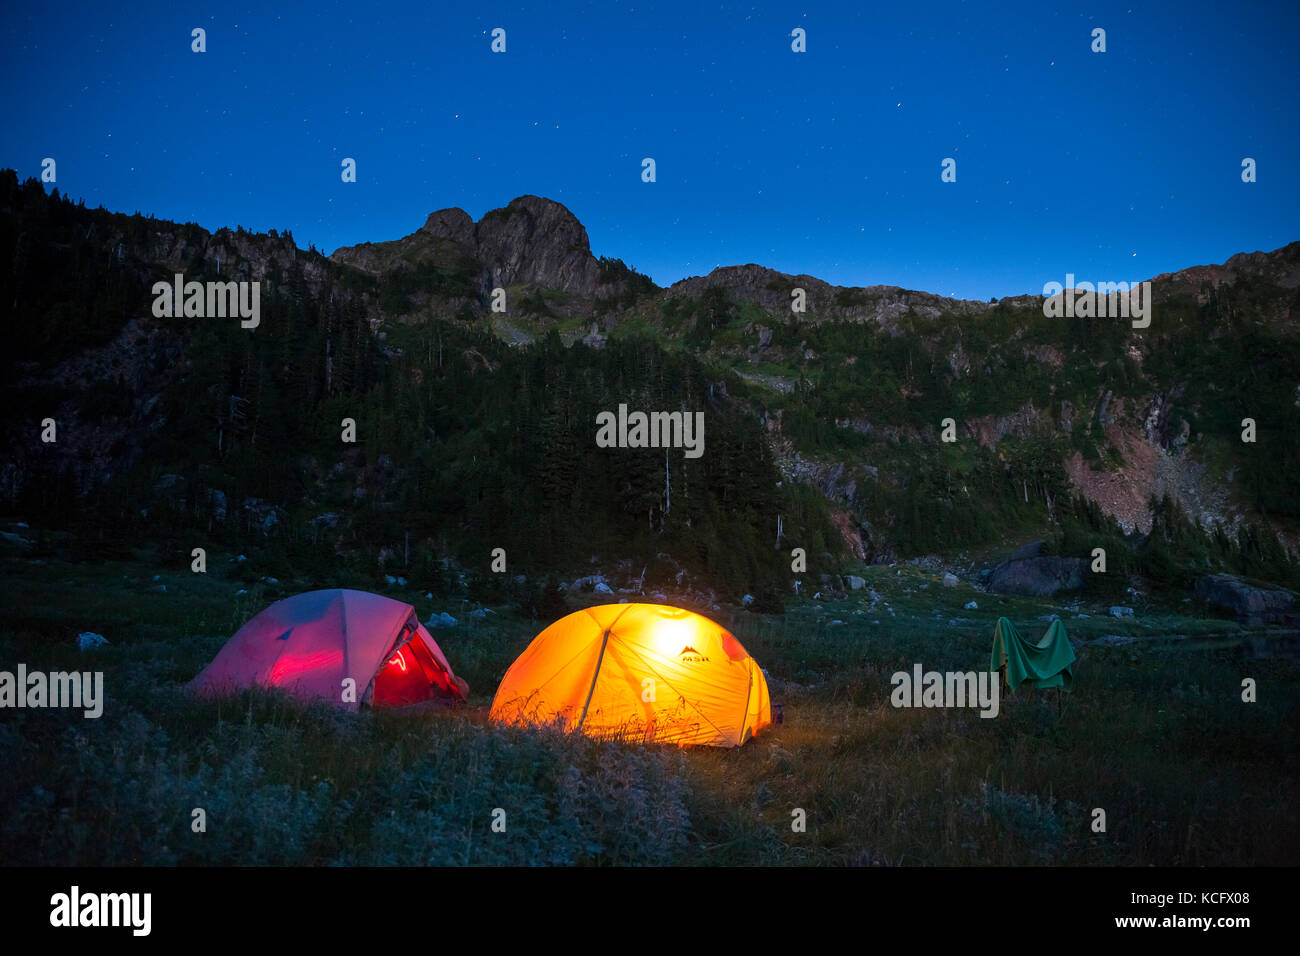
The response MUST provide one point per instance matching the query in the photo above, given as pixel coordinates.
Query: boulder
(1252, 603)
(1118, 611)
(950, 580)
(1031, 550)
(1038, 577)
(856, 583)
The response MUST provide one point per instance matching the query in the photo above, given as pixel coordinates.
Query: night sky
(1112, 166)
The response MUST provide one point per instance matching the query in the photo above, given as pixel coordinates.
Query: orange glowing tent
(311, 643)
(644, 672)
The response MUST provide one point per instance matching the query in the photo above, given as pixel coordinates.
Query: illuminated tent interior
(310, 643)
(644, 672)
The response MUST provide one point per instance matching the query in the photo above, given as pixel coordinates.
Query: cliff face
(1281, 267)
(536, 240)
(104, 401)
(532, 241)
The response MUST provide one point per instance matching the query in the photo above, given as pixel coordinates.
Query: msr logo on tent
(691, 656)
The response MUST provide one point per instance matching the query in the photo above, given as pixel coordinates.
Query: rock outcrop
(1252, 603)
(1038, 576)
(531, 240)
(770, 290)
(536, 240)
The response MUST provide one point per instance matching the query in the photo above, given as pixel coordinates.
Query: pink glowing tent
(312, 643)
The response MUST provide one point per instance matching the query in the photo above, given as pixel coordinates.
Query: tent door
(409, 673)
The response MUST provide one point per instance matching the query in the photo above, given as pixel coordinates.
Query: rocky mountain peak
(454, 224)
(537, 240)
(531, 240)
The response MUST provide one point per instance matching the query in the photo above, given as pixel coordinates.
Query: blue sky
(1112, 166)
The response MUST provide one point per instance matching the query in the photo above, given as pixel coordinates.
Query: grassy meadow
(1155, 734)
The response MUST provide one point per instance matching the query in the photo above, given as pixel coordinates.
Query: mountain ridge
(578, 273)
(848, 400)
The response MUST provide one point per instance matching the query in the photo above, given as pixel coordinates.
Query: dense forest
(190, 432)
(462, 444)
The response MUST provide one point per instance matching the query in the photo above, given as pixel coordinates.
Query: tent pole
(604, 641)
(595, 676)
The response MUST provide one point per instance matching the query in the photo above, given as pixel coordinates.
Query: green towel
(1045, 664)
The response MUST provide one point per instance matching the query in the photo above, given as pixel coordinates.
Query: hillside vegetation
(475, 429)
